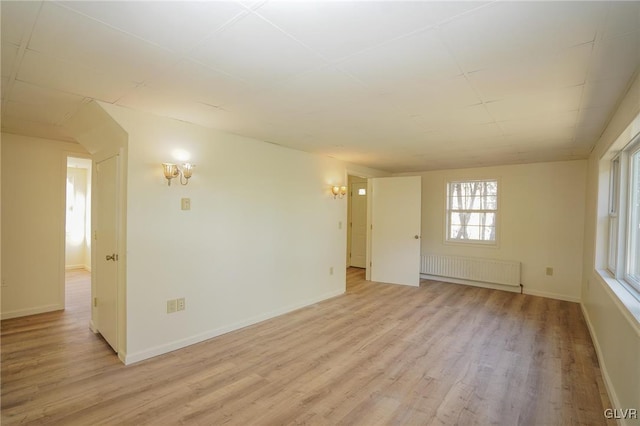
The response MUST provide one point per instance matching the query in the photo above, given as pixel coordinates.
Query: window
(624, 216)
(614, 200)
(632, 270)
(472, 208)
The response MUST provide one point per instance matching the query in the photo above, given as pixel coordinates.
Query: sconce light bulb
(187, 170)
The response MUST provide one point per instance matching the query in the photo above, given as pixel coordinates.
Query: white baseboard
(73, 267)
(503, 288)
(31, 311)
(472, 283)
(552, 295)
(179, 344)
(613, 397)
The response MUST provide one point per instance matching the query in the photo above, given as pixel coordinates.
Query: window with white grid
(624, 215)
(472, 209)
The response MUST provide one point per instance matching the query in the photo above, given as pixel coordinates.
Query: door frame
(62, 280)
(350, 214)
(368, 176)
(121, 243)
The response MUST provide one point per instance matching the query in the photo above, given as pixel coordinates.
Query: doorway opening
(78, 233)
(357, 217)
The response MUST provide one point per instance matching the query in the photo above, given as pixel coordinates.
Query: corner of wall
(95, 129)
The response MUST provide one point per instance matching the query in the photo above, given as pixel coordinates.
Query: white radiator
(470, 268)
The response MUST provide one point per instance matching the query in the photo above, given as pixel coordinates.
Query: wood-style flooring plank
(440, 354)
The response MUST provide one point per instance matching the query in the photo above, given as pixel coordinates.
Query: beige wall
(33, 216)
(260, 238)
(614, 325)
(540, 224)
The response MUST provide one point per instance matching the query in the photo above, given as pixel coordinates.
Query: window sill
(471, 243)
(625, 295)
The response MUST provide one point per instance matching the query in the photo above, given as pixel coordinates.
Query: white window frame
(633, 216)
(449, 211)
(620, 216)
(614, 207)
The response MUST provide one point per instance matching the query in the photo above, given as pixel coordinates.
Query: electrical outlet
(340, 225)
(180, 304)
(549, 270)
(331, 270)
(172, 306)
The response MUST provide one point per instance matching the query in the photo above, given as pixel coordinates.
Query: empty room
(320, 212)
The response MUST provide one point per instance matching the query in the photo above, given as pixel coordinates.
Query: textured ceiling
(399, 86)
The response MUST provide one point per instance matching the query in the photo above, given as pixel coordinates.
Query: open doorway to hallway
(78, 233)
(357, 217)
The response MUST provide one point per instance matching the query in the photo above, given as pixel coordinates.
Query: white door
(358, 223)
(106, 227)
(395, 236)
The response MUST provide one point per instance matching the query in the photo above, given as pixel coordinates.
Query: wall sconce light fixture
(172, 170)
(338, 191)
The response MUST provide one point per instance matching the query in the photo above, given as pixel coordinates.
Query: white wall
(103, 138)
(614, 329)
(259, 240)
(33, 216)
(541, 222)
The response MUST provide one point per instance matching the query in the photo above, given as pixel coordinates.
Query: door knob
(417, 237)
(113, 257)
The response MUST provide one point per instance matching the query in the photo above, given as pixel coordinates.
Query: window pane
(453, 203)
(474, 219)
(633, 256)
(473, 232)
(614, 186)
(490, 219)
(467, 204)
(455, 232)
(491, 187)
(488, 233)
(474, 202)
(490, 203)
(613, 244)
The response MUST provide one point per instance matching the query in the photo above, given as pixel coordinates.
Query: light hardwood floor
(440, 354)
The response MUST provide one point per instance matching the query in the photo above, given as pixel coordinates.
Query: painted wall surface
(103, 138)
(33, 216)
(540, 222)
(614, 328)
(260, 239)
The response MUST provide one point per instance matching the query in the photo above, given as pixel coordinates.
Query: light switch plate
(185, 203)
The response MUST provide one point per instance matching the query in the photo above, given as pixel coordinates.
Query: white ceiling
(399, 86)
